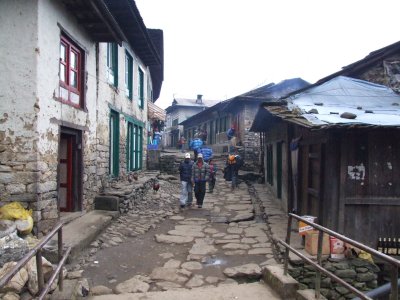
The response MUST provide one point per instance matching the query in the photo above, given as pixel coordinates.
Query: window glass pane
(63, 93)
(63, 52)
(74, 60)
(73, 79)
(74, 98)
(109, 55)
(62, 72)
(127, 75)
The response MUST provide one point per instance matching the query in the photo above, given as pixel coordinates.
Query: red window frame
(68, 91)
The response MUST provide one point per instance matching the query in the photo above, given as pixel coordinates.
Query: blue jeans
(186, 197)
(234, 180)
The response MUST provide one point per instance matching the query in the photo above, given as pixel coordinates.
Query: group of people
(194, 177)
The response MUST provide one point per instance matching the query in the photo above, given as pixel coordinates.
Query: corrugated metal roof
(155, 112)
(342, 101)
(178, 102)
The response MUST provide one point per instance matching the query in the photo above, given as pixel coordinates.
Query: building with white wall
(73, 107)
(180, 110)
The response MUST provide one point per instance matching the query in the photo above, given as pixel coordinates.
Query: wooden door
(65, 173)
(311, 179)
(279, 169)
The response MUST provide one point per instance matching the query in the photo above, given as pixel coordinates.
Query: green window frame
(128, 75)
(141, 88)
(114, 144)
(134, 144)
(112, 63)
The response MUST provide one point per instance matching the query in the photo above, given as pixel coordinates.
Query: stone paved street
(158, 247)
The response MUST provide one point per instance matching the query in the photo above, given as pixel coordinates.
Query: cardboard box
(312, 243)
(303, 227)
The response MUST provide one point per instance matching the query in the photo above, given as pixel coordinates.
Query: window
(71, 73)
(141, 88)
(134, 147)
(175, 122)
(128, 75)
(114, 144)
(112, 63)
(149, 91)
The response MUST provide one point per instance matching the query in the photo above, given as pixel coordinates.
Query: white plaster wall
(51, 15)
(18, 99)
(117, 99)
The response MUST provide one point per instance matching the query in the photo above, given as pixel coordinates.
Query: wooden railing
(37, 250)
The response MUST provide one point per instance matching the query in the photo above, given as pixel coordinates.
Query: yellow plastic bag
(14, 211)
(366, 256)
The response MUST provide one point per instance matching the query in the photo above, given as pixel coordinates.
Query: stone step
(285, 285)
(253, 291)
(79, 233)
(110, 203)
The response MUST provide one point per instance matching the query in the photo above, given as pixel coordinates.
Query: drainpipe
(379, 291)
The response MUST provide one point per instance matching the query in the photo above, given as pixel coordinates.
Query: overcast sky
(222, 48)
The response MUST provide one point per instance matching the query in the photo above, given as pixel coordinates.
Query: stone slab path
(252, 291)
(157, 247)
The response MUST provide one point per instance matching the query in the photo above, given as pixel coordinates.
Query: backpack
(231, 159)
(207, 153)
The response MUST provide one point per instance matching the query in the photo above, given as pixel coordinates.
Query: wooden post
(288, 232)
(319, 261)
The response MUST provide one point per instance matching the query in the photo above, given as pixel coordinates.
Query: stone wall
(129, 193)
(384, 72)
(169, 164)
(357, 272)
(250, 140)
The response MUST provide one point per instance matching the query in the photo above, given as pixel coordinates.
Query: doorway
(70, 170)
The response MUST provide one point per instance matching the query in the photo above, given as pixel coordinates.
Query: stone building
(238, 112)
(74, 102)
(180, 110)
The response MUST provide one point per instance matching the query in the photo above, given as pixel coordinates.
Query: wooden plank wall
(371, 200)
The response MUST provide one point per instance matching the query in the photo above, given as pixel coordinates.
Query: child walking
(213, 175)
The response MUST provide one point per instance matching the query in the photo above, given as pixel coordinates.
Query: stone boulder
(133, 285)
(12, 248)
(17, 282)
(248, 270)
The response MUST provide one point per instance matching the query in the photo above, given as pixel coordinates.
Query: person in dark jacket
(200, 176)
(231, 170)
(185, 172)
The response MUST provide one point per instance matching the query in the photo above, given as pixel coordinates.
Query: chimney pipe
(199, 99)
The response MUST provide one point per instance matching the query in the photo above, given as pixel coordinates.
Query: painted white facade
(32, 116)
(180, 113)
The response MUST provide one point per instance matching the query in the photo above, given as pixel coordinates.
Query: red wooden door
(65, 160)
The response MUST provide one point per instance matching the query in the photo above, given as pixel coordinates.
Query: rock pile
(24, 284)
